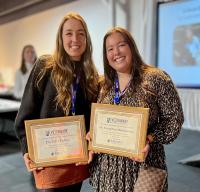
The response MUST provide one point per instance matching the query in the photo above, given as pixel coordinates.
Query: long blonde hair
(62, 68)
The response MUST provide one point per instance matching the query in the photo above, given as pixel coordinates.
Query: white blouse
(21, 80)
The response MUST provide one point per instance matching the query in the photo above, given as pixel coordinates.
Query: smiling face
(74, 38)
(118, 53)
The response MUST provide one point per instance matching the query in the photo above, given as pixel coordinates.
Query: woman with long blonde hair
(62, 84)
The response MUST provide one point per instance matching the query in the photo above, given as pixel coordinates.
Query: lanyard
(74, 88)
(117, 91)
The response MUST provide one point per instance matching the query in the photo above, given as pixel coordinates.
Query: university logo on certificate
(118, 130)
(56, 141)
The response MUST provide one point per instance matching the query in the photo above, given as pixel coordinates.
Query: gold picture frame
(56, 141)
(118, 130)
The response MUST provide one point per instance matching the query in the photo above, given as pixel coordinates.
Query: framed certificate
(56, 141)
(118, 130)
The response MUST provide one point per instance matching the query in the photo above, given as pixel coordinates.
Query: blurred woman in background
(28, 59)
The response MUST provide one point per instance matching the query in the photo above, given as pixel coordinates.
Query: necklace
(74, 88)
(118, 94)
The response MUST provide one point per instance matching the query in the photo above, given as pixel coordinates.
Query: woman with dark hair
(130, 82)
(28, 59)
(49, 94)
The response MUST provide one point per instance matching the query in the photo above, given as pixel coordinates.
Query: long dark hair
(23, 65)
(138, 66)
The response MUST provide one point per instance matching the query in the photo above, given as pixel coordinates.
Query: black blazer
(39, 102)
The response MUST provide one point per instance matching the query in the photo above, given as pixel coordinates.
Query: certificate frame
(47, 139)
(126, 139)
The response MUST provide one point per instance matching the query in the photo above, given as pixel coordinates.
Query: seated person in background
(28, 59)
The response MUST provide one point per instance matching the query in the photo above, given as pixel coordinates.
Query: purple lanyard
(74, 88)
(117, 92)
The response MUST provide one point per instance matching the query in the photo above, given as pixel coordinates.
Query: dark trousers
(71, 188)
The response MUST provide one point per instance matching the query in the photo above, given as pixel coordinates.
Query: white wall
(40, 30)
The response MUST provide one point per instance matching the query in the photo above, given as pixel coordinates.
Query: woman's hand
(29, 163)
(88, 138)
(145, 151)
(91, 153)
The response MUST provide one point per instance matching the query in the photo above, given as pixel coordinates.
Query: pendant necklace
(74, 88)
(118, 94)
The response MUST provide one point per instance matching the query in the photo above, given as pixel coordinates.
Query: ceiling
(14, 9)
(7, 7)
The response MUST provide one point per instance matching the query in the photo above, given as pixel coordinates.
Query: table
(8, 112)
(6, 93)
(7, 105)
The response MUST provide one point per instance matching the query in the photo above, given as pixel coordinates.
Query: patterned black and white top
(111, 173)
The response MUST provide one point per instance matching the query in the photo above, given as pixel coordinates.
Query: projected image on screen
(178, 50)
(186, 45)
